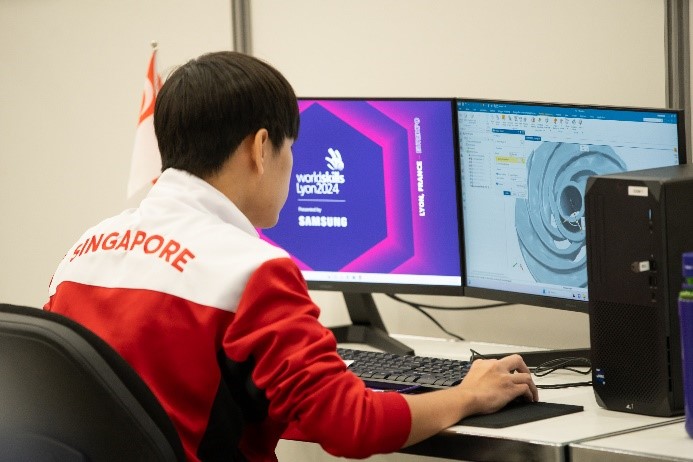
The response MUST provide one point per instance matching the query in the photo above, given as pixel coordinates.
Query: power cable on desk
(544, 369)
(420, 308)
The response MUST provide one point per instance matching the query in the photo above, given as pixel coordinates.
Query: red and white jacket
(221, 327)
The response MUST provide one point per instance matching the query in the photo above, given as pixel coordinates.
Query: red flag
(145, 166)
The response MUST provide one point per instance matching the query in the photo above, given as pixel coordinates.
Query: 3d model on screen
(550, 221)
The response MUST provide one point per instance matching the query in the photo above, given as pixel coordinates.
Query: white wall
(71, 81)
(587, 51)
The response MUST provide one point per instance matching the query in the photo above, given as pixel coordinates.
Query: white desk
(543, 440)
(668, 442)
(546, 440)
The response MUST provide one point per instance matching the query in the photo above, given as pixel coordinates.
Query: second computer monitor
(524, 167)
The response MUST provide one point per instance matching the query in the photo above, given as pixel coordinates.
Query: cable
(420, 308)
(562, 363)
(564, 385)
(448, 308)
(554, 365)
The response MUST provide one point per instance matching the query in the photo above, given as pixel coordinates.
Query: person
(218, 322)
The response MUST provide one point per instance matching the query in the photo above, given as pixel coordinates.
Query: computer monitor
(524, 167)
(372, 204)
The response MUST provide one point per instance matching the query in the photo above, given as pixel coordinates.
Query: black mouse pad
(519, 413)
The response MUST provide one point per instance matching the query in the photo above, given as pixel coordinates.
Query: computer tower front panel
(637, 226)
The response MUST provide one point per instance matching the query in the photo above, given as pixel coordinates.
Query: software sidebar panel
(638, 225)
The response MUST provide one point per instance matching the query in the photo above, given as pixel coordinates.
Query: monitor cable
(448, 308)
(420, 308)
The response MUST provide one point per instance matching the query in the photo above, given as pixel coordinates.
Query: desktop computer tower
(637, 226)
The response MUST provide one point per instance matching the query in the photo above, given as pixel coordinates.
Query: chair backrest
(66, 395)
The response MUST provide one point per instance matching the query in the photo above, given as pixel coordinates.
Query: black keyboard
(388, 371)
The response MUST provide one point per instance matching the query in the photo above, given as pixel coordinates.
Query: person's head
(209, 105)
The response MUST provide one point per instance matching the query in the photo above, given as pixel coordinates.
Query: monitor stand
(367, 326)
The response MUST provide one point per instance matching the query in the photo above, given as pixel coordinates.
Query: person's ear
(259, 145)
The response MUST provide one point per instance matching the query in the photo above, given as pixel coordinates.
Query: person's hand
(489, 385)
(496, 382)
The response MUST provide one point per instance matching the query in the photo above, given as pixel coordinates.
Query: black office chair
(65, 395)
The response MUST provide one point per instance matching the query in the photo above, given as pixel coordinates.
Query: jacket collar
(200, 195)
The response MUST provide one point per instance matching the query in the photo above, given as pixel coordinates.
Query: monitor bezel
(522, 298)
(404, 288)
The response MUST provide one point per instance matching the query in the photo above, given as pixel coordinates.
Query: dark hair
(209, 105)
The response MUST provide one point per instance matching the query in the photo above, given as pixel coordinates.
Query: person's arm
(295, 365)
(489, 385)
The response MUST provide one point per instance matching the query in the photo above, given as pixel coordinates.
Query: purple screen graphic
(373, 189)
